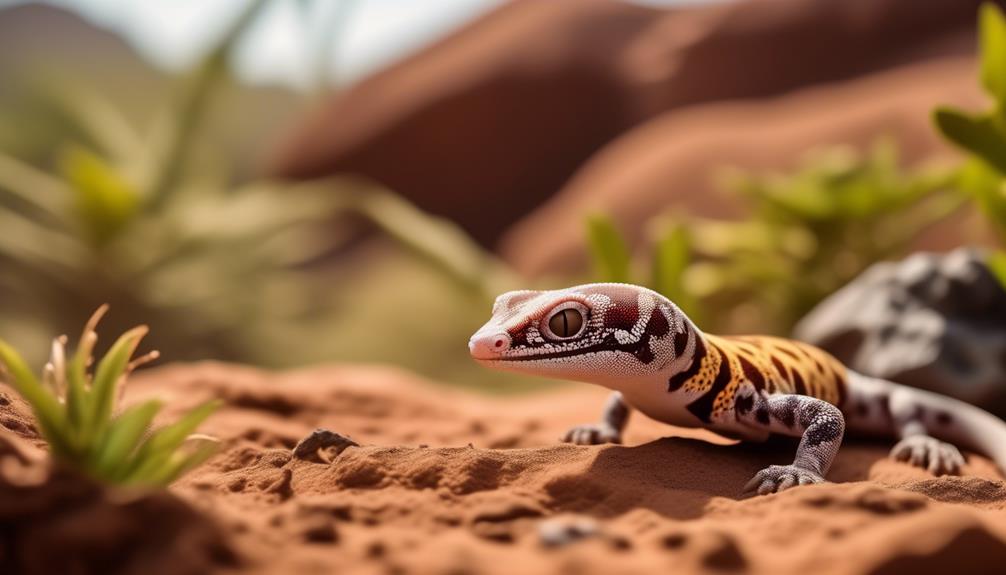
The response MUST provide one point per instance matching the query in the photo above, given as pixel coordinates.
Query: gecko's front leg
(608, 430)
(819, 425)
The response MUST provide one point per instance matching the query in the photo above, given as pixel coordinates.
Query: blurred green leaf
(610, 253)
(978, 135)
(193, 103)
(988, 189)
(437, 240)
(35, 188)
(992, 34)
(105, 200)
(997, 264)
(671, 259)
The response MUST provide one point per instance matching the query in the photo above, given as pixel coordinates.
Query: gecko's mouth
(641, 352)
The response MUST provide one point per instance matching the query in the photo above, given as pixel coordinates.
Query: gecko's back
(722, 364)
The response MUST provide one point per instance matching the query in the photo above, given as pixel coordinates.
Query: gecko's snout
(488, 345)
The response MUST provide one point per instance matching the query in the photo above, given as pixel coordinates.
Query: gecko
(640, 345)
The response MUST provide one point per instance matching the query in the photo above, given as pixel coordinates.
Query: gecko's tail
(880, 407)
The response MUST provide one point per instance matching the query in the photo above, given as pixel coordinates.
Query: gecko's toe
(778, 478)
(937, 457)
(592, 434)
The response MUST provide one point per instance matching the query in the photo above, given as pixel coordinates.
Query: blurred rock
(934, 321)
(671, 162)
(488, 123)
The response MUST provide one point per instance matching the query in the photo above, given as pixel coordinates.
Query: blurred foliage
(234, 272)
(816, 229)
(809, 233)
(983, 135)
(75, 409)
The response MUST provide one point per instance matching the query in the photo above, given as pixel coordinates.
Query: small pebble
(561, 531)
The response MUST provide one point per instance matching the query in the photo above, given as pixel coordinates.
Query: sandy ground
(449, 482)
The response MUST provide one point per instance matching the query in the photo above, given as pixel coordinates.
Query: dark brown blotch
(753, 375)
(679, 379)
(703, 406)
(681, 342)
(799, 385)
(657, 326)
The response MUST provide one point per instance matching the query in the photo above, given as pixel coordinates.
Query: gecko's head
(597, 333)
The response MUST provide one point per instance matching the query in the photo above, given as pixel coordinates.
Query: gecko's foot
(592, 434)
(937, 457)
(778, 478)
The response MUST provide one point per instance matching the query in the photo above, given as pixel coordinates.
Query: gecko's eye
(565, 322)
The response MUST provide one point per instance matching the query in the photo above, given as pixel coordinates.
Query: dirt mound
(55, 521)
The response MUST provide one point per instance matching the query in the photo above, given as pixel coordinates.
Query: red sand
(449, 482)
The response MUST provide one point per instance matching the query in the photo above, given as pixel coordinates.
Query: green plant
(813, 230)
(669, 263)
(227, 271)
(983, 135)
(75, 411)
(809, 233)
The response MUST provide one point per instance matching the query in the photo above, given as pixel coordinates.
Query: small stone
(331, 441)
(564, 530)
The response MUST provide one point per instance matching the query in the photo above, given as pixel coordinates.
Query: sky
(296, 43)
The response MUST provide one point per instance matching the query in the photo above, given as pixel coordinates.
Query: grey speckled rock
(935, 321)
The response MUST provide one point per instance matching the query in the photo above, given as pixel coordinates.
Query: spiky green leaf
(47, 409)
(124, 436)
(159, 448)
(110, 370)
(179, 463)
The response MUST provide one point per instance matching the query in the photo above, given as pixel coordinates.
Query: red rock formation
(672, 160)
(488, 123)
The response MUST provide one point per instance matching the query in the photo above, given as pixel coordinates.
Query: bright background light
(293, 39)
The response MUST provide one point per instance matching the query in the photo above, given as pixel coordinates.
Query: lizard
(640, 345)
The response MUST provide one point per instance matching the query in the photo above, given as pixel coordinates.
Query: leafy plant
(810, 232)
(983, 135)
(75, 411)
(233, 272)
(813, 230)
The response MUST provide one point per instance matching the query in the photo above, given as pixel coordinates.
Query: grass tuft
(75, 407)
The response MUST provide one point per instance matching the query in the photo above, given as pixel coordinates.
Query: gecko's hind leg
(916, 447)
(937, 457)
(901, 415)
(608, 430)
(819, 425)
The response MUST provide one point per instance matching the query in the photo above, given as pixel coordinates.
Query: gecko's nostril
(488, 346)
